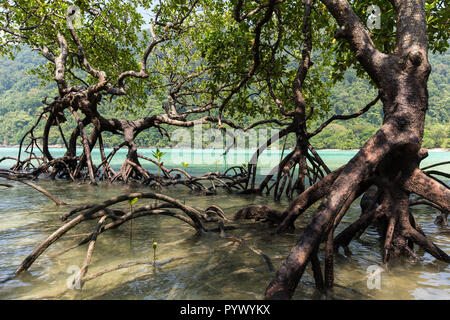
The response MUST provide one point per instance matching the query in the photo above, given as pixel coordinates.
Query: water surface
(190, 266)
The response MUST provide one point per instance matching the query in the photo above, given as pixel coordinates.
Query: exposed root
(6, 185)
(193, 218)
(258, 213)
(90, 251)
(109, 218)
(306, 199)
(400, 230)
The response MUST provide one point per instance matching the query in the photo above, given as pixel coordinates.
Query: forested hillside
(21, 95)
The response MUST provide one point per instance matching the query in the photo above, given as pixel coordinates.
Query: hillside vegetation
(21, 95)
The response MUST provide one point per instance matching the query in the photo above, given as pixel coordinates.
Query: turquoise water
(193, 267)
(201, 160)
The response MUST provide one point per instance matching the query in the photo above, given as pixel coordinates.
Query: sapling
(130, 203)
(155, 244)
(158, 155)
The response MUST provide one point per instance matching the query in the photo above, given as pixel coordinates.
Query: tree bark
(394, 152)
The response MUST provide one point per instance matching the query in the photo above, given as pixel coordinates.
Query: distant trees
(21, 97)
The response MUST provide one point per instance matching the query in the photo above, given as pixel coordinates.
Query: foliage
(222, 53)
(21, 96)
(158, 154)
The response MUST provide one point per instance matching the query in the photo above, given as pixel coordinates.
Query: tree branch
(344, 117)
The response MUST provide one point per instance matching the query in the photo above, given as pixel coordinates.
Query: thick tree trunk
(391, 156)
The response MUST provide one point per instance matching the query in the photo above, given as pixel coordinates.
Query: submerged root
(109, 218)
(76, 284)
(191, 216)
(244, 243)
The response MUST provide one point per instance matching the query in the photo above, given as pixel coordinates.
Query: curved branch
(435, 165)
(344, 117)
(352, 28)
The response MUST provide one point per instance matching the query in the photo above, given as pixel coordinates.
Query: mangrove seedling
(155, 244)
(158, 155)
(130, 203)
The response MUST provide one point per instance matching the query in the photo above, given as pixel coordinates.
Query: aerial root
(80, 168)
(6, 185)
(110, 218)
(317, 271)
(213, 211)
(104, 212)
(90, 251)
(441, 219)
(401, 230)
(293, 172)
(306, 199)
(428, 245)
(389, 204)
(428, 188)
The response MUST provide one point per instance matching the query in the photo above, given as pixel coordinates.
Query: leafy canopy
(110, 32)
(225, 45)
(211, 43)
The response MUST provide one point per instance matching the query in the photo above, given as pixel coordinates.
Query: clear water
(193, 267)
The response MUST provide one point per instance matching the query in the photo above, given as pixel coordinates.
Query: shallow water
(202, 160)
(190, 266)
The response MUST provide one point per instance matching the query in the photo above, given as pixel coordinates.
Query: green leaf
(132, 201)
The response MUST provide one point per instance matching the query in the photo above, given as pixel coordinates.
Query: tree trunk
(391, 157)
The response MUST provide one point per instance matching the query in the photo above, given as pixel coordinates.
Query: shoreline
(57, 146)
